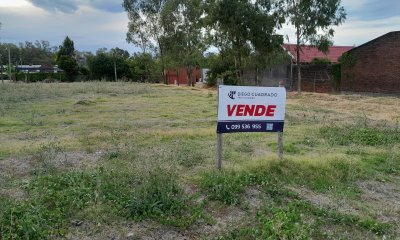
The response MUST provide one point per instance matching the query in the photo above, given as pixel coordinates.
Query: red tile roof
(308, 53)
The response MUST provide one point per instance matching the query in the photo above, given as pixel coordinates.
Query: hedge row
(38, 77)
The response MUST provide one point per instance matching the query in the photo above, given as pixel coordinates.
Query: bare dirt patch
(223, 220)
(21, 168)
(384, 198)
(325, 201)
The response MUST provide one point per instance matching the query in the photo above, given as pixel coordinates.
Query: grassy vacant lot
(135, 161)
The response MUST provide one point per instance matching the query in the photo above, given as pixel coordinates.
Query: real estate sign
(251, 109)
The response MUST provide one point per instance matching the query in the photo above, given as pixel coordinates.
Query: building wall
(314, 78)
(268, 77)
(377, 66)
(181, 77)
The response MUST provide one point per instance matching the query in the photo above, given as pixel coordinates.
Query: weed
(387, 163)
(47, 152)
(85, 102)
(34, 119)
(161, 197)
(45, 157)
(188, 155)
(284, 223)
(288, 147)
(297, 219)
(54, 200)
(291, 148)
(51, 203)
(113, 154)
(355, 151)
(245, 147)
(310, 141)
(223, 186)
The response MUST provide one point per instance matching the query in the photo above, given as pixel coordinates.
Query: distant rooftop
(308, 53)
(389, 34)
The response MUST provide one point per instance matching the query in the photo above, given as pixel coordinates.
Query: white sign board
(251, 109)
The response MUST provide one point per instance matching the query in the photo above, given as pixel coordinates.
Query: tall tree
(66, 59)
(183, 36)
(144, 68)
(67, 48)
(145, 27)
(39, 52)
(314, 21)
(241, 27)
(105, 64)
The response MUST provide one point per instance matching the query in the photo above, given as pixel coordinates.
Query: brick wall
(314, 78)
(377, 67)
(181, 77)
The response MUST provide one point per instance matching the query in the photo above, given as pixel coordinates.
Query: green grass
(371, 136)
(106, 153)
(288, 217)
(54, 200)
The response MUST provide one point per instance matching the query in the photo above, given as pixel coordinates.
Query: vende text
(251, 110)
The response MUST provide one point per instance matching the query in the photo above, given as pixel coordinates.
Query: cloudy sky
(93, 24)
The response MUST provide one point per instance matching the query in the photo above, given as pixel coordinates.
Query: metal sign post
(250, 109)
(280, 134)
(219, 135)
(219, 151)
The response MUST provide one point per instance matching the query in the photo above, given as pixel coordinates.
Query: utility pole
(115, 68)
(1, 64)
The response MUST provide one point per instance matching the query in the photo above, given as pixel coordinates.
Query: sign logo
(232, 94)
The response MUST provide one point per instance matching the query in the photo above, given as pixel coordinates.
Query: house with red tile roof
(315, 77)
(309, 53)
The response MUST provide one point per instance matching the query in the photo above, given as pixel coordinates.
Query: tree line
(76, 65)
(223, 35)
(243, 32)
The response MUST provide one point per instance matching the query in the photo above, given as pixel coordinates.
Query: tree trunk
(257, 83)
(162, 60)
(298, 62)
(190, 76)
(177, 76)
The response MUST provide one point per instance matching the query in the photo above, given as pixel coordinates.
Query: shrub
(321, 61)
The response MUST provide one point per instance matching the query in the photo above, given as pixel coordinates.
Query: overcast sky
(93, 24)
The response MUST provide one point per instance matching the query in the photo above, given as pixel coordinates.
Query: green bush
(321, 61)
(224, 70)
